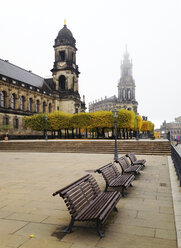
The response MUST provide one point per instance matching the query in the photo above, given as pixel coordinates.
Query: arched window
(13, 101)
(62, 81)
(124, 94)
(50, 108)
(44, 107)
(15, 123)
(5, 120)
(37, 106)
(62, 55)
(30, 104)
(22, 102)
(129, 94)
(23, 124)
(2, 99)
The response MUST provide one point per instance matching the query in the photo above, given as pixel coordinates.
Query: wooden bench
(127, 167)
(86, 202)
(134, 160)
(114, 178)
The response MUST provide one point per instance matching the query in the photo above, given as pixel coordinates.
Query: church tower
(65, 72)
(126, 85)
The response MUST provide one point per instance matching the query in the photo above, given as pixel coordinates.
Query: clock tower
(65, 72)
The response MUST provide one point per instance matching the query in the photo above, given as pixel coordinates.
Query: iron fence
(176, 157)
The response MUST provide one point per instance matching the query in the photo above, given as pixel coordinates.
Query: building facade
(24, 93)
(126, 91)
(174, 128)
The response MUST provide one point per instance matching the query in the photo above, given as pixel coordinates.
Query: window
(15, 123)
(44, 107)
(37, 106)
(62, 55)
(2, 99)
(22, 102)
(30, 103)
(49, 108)
(23, 124)
(62, 81)
(129, 94)
(124, 94)
(13, 101)
(5, 120)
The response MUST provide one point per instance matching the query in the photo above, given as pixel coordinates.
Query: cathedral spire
(65, 23)
(126, 54)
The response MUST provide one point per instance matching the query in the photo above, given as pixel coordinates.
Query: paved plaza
(31, 217)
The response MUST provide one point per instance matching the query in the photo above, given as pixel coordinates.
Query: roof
(65, 37)
(65, 33)
(111, 98)
(20, 74)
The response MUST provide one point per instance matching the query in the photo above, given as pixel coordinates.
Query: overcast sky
(151, 30)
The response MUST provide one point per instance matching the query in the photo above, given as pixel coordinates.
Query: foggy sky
(102, 28)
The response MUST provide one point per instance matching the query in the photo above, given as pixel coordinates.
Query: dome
(65, 37)
(65, 33)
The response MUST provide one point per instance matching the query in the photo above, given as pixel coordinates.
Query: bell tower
(65, 71)
(126, 85)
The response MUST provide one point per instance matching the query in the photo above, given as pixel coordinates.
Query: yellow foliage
(140, 121)
(101, 119)
(36, 122)
(147, 126)
(59, 120)
(126, 119)
(80, 120)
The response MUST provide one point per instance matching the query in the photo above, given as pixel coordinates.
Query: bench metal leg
(115, 209)
(131, 185)
(100, 233)
(122, 192)
(105, 190)
(69, 228)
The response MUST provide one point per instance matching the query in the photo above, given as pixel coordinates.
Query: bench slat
(86, 202)
(114, 178)
(97, 206)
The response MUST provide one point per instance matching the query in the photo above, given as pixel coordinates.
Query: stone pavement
(27, 181)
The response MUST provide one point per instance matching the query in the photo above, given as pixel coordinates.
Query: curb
(176, 195)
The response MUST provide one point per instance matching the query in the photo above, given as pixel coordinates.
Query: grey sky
(151, 30)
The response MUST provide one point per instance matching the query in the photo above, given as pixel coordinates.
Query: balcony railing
(176, 157)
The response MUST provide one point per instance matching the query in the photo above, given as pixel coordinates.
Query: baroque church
(23, 93)
(126, 91)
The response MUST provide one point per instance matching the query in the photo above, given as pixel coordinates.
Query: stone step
(90, 146)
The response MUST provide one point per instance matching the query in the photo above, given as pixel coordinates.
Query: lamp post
(46, 119)
(115, 116)
(137, 134)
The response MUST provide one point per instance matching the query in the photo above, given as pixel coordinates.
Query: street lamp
(137, 134)
(115, 116)
(46, 119)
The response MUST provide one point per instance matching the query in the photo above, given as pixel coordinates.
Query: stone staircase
(147, 147)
